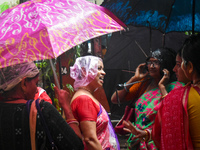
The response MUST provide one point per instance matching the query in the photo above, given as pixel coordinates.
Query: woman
(95, 125)
(178, 70)
(147, 104)
(180, 77)
(180, 124)
(18, 84)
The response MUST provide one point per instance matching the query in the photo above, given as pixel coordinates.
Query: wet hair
(166, 57)
(191, 51)
(179, 52)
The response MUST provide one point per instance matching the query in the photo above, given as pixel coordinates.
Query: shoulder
(82, 98)
(174, 85)
(177, 83)
(83, 101)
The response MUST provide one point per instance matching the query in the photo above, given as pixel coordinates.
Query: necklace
(83, 88)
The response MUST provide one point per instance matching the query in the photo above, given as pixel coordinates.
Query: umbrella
(44, 29)
(127, 49)
(163, 15)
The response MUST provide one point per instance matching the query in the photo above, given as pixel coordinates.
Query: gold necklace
(86, 90)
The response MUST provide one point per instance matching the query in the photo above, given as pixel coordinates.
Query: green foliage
(71, 89)
(47, 78)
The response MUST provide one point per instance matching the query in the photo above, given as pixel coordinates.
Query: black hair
(179, 52)
(166, 57)
(191, 51)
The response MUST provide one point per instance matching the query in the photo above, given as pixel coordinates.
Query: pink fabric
(104, 130)
(44, 29)
(171, 127)
(41, 93)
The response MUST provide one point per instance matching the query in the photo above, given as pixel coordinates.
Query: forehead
(178, 58)
(153, 59)
(100, 63)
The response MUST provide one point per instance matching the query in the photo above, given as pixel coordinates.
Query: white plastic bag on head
(84, 70)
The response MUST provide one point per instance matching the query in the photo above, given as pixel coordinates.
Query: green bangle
(125, 87)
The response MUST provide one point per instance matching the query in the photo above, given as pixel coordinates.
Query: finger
(128, 124)
(165, 71)
(127, 130)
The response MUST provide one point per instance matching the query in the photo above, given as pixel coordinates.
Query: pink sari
(171, 128)
(105, 131)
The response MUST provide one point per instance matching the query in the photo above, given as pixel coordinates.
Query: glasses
(154, 63)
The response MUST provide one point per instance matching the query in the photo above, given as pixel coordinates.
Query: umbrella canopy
(127, 49)
(44, 29)
(163, 15)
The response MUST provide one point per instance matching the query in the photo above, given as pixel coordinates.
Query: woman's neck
(196, 79)
(87, 89)
(196, 82)
(153, 84)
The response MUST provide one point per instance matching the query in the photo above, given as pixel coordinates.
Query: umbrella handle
(54, 74)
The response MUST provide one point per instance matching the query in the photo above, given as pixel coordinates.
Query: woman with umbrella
(160, 65)
(18, 85)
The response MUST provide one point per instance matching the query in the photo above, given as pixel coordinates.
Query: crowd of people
(166, 101)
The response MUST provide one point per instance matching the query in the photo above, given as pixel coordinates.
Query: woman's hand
(141, 71)
(166, 77)
(165, 80)
(129, 127)
(63, 96)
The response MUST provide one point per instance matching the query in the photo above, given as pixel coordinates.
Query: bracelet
(147, 137)
(68, 120)
(125, 87)
(164, 96)
(149, 133)
(71, 122)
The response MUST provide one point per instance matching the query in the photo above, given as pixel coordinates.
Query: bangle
(164, 96)
(147, 137)
(70, 121)
(125, 87)
(149, 131)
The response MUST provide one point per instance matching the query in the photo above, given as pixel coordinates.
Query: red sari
(171, 127)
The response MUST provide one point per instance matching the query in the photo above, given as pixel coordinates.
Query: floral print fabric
(146, 108)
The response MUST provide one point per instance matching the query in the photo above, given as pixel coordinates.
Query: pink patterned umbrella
(44, 29)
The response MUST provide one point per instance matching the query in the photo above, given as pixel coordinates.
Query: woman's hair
(191, 51)
(179, 52)
(166, 57)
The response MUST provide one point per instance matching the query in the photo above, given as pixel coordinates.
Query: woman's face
(32, 88)
(180, 75)
(154, 68)
(100, 74)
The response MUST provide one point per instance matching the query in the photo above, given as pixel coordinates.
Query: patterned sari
(105, 131)
(171, 128)
(146, 108)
